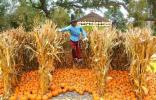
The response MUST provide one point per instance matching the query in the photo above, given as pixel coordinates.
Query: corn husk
(101, 44)
(8, 50)
(140, 47)
(47, 47)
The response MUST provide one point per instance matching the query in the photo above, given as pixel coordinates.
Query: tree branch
(86, 4)
(78, 4)
(33, 5)
(43, 7)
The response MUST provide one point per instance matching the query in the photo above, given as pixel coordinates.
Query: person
(75, 31)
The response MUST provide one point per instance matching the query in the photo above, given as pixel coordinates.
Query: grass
(91, 28)
(152, 67)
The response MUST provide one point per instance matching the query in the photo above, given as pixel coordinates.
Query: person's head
(74, 23)
(73, 20)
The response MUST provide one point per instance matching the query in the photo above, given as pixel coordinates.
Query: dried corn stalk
(140, 46)
(47, 47)
(22, 55)
(101, 43)
(8, 50)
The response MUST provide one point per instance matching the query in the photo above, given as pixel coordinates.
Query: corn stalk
(8, 51)
(140, 46)
(21, 57)
(101, 43)
(47, 47)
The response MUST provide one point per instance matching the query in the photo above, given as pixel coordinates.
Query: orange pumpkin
(64, 90)
(54, 93)
(38, 97)
(45, 97)
(23, 97)
(32, 96)
(13, 97)
(49, 95)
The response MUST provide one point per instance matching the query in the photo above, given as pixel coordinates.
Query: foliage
(26, 16)
(3, 17)
(152, 66)
(152, 13)
(151, 6)
(139, 11)
(60, 17)
(116, 15)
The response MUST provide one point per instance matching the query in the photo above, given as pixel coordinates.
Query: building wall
(106, 24)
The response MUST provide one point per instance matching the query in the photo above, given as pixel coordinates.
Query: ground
(82, 83)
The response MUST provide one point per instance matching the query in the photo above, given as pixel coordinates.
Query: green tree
(30, 10)
(116, 15)
(3, 17)
(152, 13)
(49, 5)
(60, 17)
(26, 16)
(138, 9)
(152, 7)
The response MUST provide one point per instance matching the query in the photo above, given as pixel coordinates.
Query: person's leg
(78, 50)
(73, 46)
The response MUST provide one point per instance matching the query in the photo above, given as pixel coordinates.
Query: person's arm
(84, 34)
(65, 29)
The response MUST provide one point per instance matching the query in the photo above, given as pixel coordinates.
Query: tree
(41, 5)
(28, 10)
(152, 13)
(138, 9)
(60, 17)
(152, 7)
(3, 18)
(49, 5)
(117, 17)
(26, 16)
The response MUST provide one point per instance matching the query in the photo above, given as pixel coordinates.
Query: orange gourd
(49, 95)
(32, 96)
(54, 93)
(13, 97)
(23, 97)
(38, 97)
(45, 97)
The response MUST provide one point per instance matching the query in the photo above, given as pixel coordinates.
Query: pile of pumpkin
(64, 80)
(119, 87)
(80, 80)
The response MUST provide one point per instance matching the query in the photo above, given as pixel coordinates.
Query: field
(37, 65)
